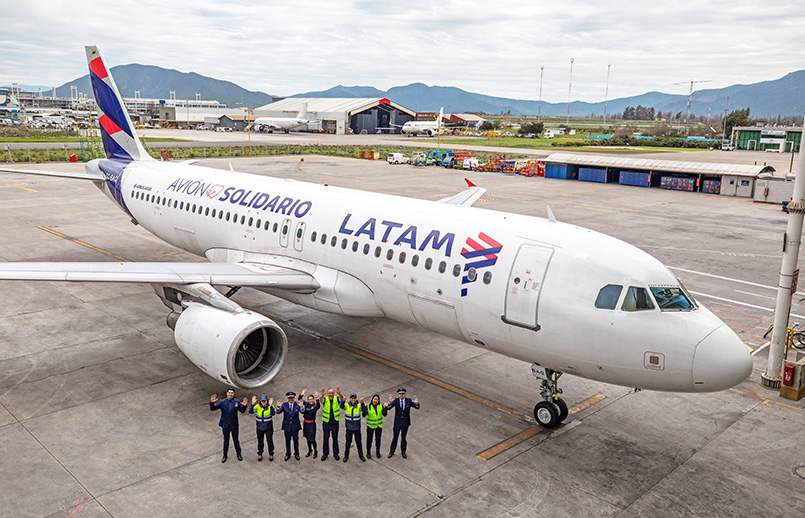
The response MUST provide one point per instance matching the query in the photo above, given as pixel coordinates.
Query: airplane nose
(721, 361)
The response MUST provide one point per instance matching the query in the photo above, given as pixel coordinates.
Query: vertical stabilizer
(120, 141)
(303, 114)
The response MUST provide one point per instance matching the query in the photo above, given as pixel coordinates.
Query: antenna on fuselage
(551, 217)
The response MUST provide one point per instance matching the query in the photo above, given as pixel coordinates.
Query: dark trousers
(357, 435)
(288, 437)
(328, 429)
(267, 434)
(377, 433)
(403, 430)
(234, 432)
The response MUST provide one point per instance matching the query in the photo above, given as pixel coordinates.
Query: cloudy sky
(491, 47)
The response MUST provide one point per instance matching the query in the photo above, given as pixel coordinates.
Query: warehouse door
(525, 285)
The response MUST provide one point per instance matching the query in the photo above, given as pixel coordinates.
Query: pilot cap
(400, 390)
(290, 394)
(263, 398)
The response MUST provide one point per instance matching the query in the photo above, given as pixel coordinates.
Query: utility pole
(606, 96)
(569, 86)
(690, 100)
(786, 286)
(539, 113)
(724, 131)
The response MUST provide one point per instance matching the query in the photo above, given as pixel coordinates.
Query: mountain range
(783, 96)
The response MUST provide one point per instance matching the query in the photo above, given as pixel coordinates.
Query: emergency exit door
(525, 285)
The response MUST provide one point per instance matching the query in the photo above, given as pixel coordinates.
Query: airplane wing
(226, 274)
(59, 174)
(466, 197)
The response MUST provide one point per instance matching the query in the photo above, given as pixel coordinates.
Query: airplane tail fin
(117, 132)
(303, 113)
(439, 119)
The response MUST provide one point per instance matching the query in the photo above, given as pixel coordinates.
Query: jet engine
(242, 349)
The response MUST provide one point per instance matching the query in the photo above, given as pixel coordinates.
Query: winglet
(231, 169)
(551, 217)
(469, 183)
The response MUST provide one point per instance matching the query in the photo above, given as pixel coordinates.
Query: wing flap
(226, 274)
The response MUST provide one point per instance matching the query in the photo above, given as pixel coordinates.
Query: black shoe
(271, 458)
(259, 458)
(363, 459)
(336, 457)
(346, 458)
(223, 459)
(378, 454)
(404, 455)
(287, 456)
(240, 457)
(315, 454)
(308, 453)
(391, 454)
(323, 458)
(296, 456)
(369, 454)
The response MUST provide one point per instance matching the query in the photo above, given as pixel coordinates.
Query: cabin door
(525, 284)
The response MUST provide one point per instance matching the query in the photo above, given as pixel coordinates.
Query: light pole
(539, 109)
(606, 96)
(569, 86)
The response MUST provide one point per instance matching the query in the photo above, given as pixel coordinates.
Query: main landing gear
(552, 410)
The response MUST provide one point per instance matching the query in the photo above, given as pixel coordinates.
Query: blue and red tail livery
(119, 138)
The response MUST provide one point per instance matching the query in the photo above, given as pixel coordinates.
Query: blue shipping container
(556, 171)
(592, 175)
(678, 184)
(635, 178)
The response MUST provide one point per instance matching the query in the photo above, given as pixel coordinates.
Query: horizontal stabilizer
(58, 174)
(222, 274)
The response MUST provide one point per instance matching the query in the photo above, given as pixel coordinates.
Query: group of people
(335, 408)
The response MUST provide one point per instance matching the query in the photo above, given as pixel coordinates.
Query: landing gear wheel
(562, 407)
(546, 414)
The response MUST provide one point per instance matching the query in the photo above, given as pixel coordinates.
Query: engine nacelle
(243, 349)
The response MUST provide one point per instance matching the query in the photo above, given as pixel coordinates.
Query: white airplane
(281, 123)
(566, 299)
(429, 128)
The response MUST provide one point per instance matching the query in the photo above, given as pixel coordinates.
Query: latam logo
(478, 255)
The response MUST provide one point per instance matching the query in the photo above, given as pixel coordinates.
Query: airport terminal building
(782, 139)
(344, 115)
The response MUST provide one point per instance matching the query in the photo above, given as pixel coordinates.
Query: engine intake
(243, 349)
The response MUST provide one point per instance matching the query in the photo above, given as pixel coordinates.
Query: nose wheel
(552, 410)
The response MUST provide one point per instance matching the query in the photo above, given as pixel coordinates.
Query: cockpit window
(637, 299)
(608, 296)
(672, 299)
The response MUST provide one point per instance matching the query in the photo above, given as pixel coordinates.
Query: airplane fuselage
(522, 286)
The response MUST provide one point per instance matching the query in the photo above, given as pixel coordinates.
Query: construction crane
(690, 97)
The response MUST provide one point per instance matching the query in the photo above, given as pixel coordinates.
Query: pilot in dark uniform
(402, 419)
(229, 408)
(309, 410)
(290, 424)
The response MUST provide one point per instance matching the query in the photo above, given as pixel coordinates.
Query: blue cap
(353, 395)
(263, 398)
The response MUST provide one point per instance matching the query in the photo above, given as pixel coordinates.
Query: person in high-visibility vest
(264, 416)
(309, 410)
(375, 411)
(352, 423)
(330, 416)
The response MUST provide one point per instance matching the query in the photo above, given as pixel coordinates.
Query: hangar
(344, 115)
(782, 139)
(712, 178)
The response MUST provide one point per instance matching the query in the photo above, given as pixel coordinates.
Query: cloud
(286, 47)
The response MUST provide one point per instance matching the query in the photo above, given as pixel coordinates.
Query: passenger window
(242, 220)
(456, 270)
(487, 277)
(377, 251)
(608, 296)
(251, 220)
(471, 275)
(333, 241)
(194, 208)
(276, 226)
(366, 249)
(181, 206)
(175, 203)
(402, 257)
(637, 299)
(207, 212)
(428, 263)
(313, 237)
(354, 246)
(442, 267)
(228, 214)
(344, 244)
(390, 254)
(299, 234)
(323, 239)
(284, 229)
(414, 260)
(259, 223)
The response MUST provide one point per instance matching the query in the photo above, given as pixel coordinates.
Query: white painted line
(754, 294)
(770, 310)
(760, 348)
(728, 279)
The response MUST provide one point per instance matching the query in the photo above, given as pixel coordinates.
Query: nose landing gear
(552, 410)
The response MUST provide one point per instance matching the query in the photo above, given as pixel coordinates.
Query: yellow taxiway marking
(769, 402)
(534, 430)
(79, 242)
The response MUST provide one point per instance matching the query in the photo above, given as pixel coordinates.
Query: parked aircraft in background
(281, 123)
(560, 297)
(429, 128)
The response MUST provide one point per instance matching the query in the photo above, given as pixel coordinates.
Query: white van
(397, 158)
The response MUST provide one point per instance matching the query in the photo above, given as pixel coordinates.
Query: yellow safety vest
(374, 416)
(263, 415)
(353, 413)
(330, 410)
